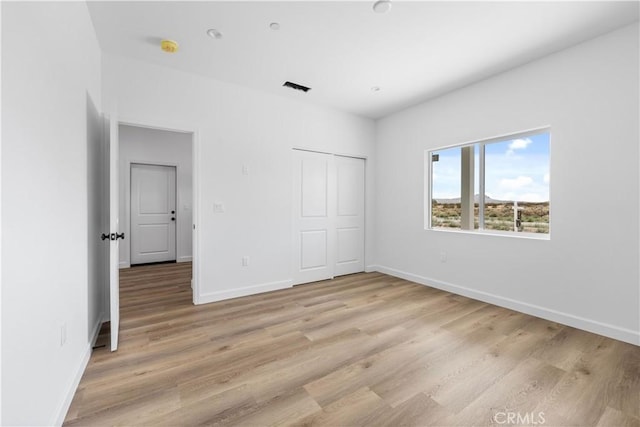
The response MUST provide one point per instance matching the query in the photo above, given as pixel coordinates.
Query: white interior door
(349, 222)
(313, 219)
(153, 213)
(114, 235)
(328, 216)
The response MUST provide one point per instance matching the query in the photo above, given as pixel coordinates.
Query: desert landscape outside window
(496, 185)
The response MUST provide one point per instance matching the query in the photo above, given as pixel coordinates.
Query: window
(500, 185)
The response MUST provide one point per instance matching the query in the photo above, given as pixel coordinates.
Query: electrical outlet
(443, 256)
(63, 334)
(245, 170)
(245, 261)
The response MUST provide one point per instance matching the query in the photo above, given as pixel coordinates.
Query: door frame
(127, 203)
(366, 201)
(195, 182)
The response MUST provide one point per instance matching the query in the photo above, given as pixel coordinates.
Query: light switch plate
(218, 208)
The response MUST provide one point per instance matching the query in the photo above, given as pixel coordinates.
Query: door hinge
(112, 236)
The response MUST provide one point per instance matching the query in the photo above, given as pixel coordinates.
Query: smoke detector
(169, 46)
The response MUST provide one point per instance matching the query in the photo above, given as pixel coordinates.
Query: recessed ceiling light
(274, 26)
(375, 88)
(382, 6)
(213, 33)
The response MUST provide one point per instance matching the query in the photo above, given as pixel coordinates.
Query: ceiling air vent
(296, 86)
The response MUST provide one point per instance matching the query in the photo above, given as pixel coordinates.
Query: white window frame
(481, 143)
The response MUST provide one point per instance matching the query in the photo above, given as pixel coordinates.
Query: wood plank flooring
(360, 350)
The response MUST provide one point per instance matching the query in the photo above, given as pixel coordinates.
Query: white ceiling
(416, 51)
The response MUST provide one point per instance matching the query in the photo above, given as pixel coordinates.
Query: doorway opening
(156, 210)
(156, 200)
(124, 144)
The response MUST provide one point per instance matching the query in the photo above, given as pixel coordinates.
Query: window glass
(445, 188)
(517, 180)
(510, 185)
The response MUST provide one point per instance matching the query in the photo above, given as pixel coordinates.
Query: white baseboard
(370, 268)
(73, 386)
(608, 330)
(242, 292)
(124, 264)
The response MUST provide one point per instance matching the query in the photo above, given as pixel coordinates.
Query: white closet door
(313, 222)
(328, 200)
(349, 221)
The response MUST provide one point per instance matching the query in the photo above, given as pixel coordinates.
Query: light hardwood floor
(365, 349)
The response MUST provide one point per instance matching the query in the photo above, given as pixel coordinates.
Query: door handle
(173, 219)
(172, 212)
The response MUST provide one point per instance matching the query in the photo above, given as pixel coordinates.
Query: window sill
(510, 234)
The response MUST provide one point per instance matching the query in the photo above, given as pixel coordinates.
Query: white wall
(50, 64)
(236, 126)
(161, 147)
(0, 222)
(587, 274)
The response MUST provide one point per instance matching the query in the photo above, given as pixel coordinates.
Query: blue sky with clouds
(515, 169)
